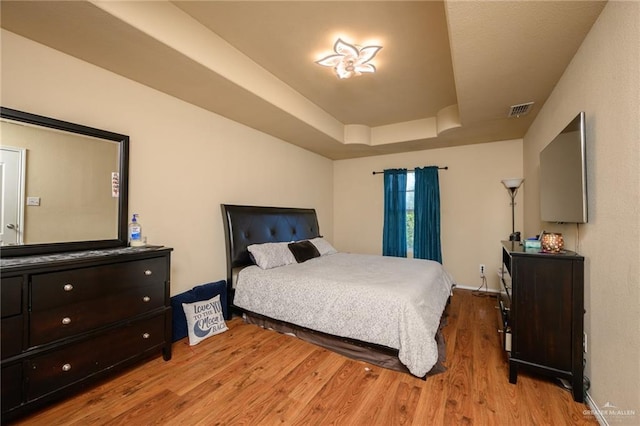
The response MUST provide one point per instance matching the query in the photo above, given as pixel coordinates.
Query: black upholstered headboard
(246, 225)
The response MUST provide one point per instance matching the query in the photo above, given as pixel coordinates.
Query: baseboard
(464, 287)
(595, 411)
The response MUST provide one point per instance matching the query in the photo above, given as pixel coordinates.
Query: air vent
(519, 110)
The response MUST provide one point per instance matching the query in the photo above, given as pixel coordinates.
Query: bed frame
(246, 225)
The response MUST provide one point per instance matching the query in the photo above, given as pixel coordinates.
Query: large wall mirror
(64, 186)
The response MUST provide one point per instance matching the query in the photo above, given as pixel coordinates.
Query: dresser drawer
(50, 290)
(66, 321)
(11, 332)
(11, 296)
(11, 386)
(79, 361)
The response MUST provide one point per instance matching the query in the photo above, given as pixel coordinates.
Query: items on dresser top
(135, 232)
(69, 319)
(11, 262)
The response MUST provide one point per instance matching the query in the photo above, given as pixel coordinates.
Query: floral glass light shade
(350, 60)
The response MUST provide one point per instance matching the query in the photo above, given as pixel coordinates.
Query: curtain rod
(410, 170)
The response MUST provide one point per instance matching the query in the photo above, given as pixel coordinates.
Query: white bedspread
(390, 301)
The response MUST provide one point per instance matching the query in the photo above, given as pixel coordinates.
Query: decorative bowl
(552, 243)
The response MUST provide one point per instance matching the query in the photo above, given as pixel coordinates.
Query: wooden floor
(253, 376)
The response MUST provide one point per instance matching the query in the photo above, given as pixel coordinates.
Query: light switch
(33, 201)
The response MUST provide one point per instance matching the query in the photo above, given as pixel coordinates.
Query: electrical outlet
(482, 269)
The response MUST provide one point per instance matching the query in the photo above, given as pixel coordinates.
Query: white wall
(184, 161)
(603, 80)
(475, 206)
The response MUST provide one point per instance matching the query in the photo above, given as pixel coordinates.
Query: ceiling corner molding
(357, 134)
(448, 118)
(424, 128)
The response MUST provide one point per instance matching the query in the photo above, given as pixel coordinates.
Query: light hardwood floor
(253, 376)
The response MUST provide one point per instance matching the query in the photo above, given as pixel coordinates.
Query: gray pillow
(271, 255)
(323, 246)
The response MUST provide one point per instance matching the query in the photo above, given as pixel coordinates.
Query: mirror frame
(123, 140)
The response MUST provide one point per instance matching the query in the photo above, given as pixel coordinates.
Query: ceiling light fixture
(350, 60)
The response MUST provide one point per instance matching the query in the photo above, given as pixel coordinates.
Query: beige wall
(603, 80)
(71, 174)
(185, 161)
(475, 206)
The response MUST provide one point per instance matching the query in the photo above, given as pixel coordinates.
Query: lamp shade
(512, 183)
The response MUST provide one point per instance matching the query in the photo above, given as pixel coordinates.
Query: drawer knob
(66, 320)
(148, 272)
(146, 335)
(66, 367)
(146, 298)
(68, 287)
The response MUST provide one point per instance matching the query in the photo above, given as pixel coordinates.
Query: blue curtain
(426, 238)
(394, 234)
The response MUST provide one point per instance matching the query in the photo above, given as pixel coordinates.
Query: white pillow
(271, 255)
(204, 319)
(323, 246)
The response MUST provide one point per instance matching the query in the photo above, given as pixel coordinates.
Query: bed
(283, 275)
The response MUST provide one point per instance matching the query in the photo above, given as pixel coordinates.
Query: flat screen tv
(563, 176)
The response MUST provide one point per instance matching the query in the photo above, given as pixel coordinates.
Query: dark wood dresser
(542, 313)
(73, 318)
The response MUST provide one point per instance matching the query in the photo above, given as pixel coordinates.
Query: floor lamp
(512, 186)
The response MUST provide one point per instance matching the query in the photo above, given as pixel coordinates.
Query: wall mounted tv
(563, 175)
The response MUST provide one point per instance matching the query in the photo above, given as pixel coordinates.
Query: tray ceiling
(448, 72)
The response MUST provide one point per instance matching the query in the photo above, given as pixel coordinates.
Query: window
(411, 181)
(412, 214)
